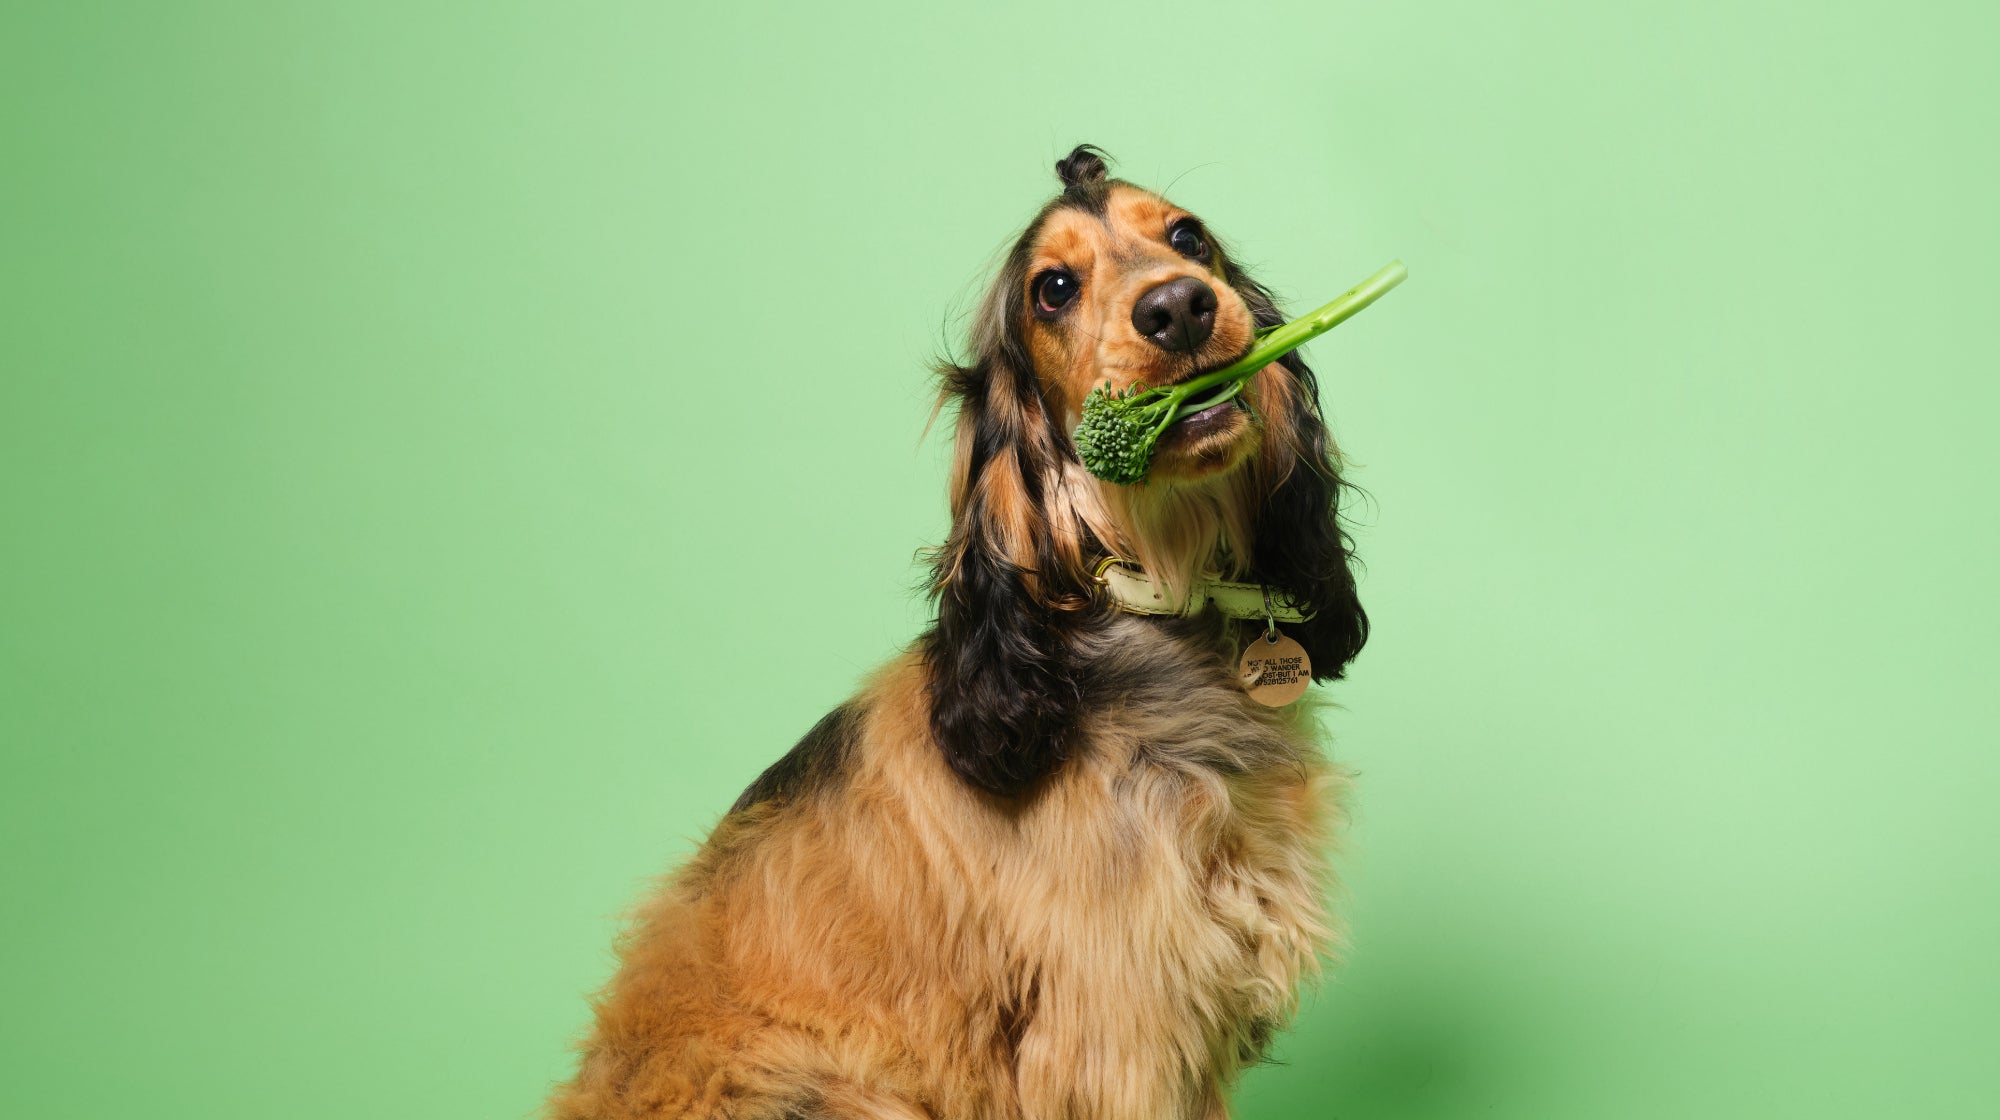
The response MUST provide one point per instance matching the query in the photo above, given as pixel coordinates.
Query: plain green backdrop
(408, 411)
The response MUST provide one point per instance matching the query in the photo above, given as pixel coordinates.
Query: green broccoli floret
(1119, 430)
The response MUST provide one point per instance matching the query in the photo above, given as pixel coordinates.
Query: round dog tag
(1275, 669)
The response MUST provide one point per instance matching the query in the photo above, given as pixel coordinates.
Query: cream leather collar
(1134, 592)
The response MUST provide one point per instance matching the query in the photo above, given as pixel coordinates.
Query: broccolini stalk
(1119, 430)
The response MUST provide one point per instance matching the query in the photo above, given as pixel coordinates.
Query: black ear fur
(1003, 690)
(1301, 546)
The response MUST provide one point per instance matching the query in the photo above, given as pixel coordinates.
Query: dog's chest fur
(869, 935)
(1149, 913)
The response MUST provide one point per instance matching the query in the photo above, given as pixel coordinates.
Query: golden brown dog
(1053, 863)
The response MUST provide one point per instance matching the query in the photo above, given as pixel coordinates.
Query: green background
(421, 425)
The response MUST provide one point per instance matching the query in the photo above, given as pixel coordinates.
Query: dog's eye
(1055, 289)
(1185, 236)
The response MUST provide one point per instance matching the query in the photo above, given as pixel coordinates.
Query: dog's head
(1118, 286)
(1113, 283)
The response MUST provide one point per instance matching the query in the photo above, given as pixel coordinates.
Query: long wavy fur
(1011, 583)
(1053, 861)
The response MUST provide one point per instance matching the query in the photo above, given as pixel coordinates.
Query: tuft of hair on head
(1083, 168)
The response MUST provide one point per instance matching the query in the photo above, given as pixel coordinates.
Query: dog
(1055, 861)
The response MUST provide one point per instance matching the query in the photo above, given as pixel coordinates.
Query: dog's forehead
(1131, 219)
(1137, 213)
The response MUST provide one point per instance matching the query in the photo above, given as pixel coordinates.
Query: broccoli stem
(1119, 430)
(1282, 340)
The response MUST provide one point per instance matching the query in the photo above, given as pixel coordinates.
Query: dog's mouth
(1206, 368)
(1213, 420)
(1196, 419)
(1215, 417)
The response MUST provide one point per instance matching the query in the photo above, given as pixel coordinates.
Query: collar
(1130, 589)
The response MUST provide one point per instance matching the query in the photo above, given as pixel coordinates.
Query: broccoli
(1119, 429)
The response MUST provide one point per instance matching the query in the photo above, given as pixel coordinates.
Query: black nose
(1178, 315)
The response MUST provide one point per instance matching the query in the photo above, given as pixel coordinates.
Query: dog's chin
(1209, 443)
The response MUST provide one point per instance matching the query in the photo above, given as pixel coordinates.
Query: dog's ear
(1003, 690)
(1300, 546)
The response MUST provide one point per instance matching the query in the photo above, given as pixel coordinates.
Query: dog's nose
(1178, 315)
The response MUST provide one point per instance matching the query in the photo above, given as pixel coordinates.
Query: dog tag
(1275, 669)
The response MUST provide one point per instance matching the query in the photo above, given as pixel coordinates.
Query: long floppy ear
(1300, 545)
(1003, 690)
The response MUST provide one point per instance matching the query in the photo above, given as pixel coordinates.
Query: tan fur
(1117, 257)
(1193, 516)
(899, 944)
(913, 948)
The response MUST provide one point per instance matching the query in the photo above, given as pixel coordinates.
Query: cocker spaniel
(1059, 860)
